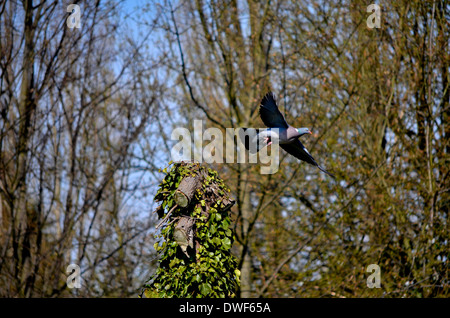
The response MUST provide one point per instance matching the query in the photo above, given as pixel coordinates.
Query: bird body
(283, 135)
(287, 136)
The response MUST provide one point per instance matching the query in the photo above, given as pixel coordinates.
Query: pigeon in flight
(287, 136)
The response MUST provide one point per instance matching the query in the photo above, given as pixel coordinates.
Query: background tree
(375, 98)
(86, 118)
(74, 104)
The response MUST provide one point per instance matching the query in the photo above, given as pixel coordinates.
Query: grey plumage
(288, 135)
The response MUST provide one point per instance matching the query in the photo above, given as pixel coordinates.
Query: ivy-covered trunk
(195, 237)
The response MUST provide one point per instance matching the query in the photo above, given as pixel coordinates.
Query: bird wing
(253, 139)
(299, 151)
(270, 114)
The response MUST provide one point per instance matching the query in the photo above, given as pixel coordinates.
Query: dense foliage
(212, 270)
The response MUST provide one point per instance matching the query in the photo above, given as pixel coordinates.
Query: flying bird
(287, 135)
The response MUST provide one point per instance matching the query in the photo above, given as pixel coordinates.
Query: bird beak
(310, 133)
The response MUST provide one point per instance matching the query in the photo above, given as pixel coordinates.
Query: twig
(167, 216)
(183, 69)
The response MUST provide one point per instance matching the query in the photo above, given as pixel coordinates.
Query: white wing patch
(306, 150)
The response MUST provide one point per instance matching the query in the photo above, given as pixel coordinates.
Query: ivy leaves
(210, 270)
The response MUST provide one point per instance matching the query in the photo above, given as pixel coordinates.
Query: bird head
(303, 131)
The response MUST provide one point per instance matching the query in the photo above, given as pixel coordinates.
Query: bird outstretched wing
(270, 114)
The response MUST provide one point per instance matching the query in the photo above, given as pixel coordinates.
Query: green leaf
(225, 224)
(216, 241)
(205, 289)
(150, 293)
(212, 229)
(226, 243)
(173, 262)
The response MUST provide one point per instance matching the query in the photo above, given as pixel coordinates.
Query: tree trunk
(246, 213)
(27, 107)
(186, 190)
